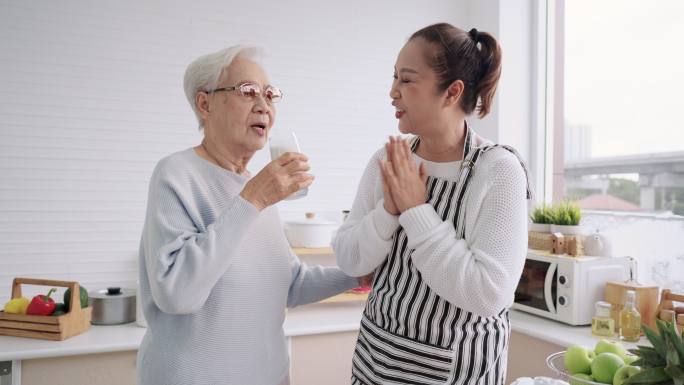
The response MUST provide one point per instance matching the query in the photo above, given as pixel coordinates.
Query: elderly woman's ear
(202, 103)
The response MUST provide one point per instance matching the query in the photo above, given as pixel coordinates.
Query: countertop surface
(304, 320)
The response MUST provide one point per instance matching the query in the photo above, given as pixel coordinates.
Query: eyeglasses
(252, 90)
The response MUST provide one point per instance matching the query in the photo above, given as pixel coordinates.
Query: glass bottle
(630, 319)
(602, 324)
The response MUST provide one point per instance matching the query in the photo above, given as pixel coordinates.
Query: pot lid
(310, 219)
(112, 292)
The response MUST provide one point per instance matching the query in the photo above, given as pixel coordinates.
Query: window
(618, 83)
(606, 125)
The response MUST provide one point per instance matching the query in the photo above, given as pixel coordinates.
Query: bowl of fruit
(607, 363)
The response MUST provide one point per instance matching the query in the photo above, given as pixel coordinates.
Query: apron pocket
(387, 358)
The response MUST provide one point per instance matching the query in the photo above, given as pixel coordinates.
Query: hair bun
(474, 34)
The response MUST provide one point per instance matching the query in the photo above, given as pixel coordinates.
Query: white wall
(91, 98)
(510, 121)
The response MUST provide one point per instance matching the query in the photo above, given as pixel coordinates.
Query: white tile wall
(91, 98)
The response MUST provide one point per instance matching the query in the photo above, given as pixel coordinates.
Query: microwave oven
(565, 288)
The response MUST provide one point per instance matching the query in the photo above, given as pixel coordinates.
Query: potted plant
(663, 362)
(566, 218)
(541, 219)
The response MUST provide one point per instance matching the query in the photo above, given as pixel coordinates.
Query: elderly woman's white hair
(204, 73)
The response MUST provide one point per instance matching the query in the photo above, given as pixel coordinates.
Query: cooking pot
(309, 232)
(112, 306)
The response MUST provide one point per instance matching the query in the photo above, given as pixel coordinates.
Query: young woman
(441, 221)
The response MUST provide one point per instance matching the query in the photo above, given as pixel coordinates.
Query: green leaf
(638, 349)
(676, 341)
(649, 376)
(662, 328)
(648, 356)
(674, 371)
(672, 357)
(655, 340)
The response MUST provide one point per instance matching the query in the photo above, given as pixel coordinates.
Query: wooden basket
(56, 328)
(539, 241)
(667, 309)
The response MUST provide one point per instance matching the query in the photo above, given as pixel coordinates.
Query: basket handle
(669, 296)
(73, 285)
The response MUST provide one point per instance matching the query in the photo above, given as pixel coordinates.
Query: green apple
(604, 366)
(624, 373)
(578, 359)
(581, 379)
(605, 346)
(629, 358)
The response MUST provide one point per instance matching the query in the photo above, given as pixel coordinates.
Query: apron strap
(471, 154)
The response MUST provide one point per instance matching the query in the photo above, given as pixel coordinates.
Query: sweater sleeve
(479, 275)
(183, 263)
(313, 283)
(364, 239)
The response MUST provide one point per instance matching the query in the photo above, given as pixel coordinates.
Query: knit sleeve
(363, 241)
(184, 264)
(479, 275)
(313, 283)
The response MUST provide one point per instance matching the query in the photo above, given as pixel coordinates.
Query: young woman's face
(414, 90)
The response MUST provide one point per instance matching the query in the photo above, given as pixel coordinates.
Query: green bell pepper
(60, 309)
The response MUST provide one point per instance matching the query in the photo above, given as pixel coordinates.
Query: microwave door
(536, 290)
(549, 283)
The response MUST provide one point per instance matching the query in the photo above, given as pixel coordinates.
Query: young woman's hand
(405, 181)
(366, 280)
(389, 204)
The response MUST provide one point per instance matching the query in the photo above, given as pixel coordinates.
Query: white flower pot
(539, 227)
(568, 230)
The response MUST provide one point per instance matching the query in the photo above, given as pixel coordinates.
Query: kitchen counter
(558, 333)
(318, 318)
(305, 320)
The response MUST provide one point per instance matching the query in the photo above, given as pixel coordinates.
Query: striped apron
(409, 334)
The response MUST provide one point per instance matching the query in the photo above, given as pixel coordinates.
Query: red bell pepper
(42, 304)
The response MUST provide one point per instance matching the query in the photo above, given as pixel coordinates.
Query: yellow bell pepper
(17, 305)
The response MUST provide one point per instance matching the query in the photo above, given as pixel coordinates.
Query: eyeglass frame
(261, 90)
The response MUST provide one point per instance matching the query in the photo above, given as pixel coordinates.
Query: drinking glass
(280, 143)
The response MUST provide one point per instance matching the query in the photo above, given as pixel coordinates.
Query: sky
(624, 74)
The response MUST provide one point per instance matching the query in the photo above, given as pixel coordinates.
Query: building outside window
(613, 136)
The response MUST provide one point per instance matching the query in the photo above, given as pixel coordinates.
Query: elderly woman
(216, 272)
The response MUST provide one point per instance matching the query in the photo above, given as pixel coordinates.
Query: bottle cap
(630, 297)
(603, 309)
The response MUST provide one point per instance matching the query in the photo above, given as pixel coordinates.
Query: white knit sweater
(216, 276)
(479, 273)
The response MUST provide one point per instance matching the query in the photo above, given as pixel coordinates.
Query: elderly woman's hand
(278, 180)
(405, 181)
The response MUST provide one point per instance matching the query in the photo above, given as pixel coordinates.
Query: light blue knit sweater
(216, 277)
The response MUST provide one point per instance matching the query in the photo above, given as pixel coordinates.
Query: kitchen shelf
(346, 297)
(313, 251)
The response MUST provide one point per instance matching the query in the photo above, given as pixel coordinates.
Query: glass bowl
(556, 362)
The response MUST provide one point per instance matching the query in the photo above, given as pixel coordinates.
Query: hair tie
(474, 34)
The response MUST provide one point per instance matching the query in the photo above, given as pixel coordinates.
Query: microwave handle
(547, 287)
